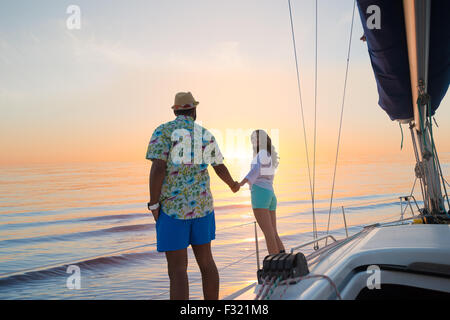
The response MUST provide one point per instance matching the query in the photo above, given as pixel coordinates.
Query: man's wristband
(153, 207)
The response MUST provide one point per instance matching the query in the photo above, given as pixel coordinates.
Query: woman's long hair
(261, 141)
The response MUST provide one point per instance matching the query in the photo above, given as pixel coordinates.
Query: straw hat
(184, 101)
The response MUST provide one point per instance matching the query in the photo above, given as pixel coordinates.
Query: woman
(260, 180)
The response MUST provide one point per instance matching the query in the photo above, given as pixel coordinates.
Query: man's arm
(223, 173)
(156, 178)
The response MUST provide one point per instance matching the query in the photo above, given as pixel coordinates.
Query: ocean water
(94, 217)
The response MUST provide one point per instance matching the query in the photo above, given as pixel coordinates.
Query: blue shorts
(263, 198)
(176, 234)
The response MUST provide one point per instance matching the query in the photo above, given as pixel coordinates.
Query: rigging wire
(316, 246)
(414, 185)
(446, 181)
(303, 116)
(342, 114)
(436, 162)
(442, 177)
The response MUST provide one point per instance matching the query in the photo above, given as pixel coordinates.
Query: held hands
(235, 187)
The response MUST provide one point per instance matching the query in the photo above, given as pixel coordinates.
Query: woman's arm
(244, 181)
(253, 174)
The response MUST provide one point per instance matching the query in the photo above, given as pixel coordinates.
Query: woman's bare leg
(273, 217)
(265, 223)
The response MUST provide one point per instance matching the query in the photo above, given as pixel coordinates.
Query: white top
(262, 172)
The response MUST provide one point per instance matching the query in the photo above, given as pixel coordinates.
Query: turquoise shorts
(263, 198)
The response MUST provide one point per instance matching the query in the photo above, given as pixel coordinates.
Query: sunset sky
(96, 94)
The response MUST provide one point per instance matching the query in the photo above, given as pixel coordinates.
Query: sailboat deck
(413, 255)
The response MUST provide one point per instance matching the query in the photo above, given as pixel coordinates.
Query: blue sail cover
(388, 53)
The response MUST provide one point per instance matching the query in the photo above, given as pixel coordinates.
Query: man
(180, 195)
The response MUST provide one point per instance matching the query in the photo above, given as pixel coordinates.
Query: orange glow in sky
(97, 94)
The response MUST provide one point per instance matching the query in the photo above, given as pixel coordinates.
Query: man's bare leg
(210, 275)
(177, 262)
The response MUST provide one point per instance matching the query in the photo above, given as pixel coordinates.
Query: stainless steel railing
(313, 242)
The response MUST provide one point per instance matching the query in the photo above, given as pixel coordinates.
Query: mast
(417, 23)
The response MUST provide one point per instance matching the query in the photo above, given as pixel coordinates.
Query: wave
(60, 270)
(372, 206)
(121, 217)
(129, 228)
(231, 206)
(117, 217)
(109, 260)
(129, 206)
(368, 205)
(79, 235)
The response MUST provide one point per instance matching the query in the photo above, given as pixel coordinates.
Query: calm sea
(94, 216)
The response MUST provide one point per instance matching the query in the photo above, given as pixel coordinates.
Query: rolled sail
(388, 51)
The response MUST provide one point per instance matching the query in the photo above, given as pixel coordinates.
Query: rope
(302, 113)
(272, 288)
(286, 286)
(261, 289)
(342, 115)
(268, 286)
(435, 122)
(401, 130)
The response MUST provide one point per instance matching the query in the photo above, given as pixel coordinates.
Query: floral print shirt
(187, 149)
